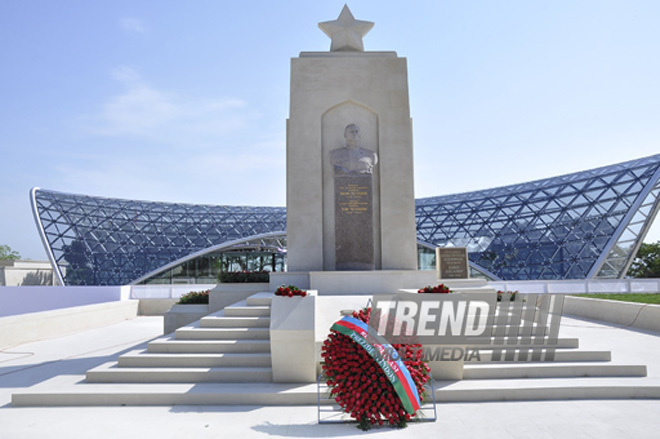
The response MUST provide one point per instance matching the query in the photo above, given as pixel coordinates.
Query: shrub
(194, 297)
(506, 296)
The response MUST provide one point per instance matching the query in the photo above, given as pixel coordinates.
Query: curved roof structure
(104, 241)
(583, 225)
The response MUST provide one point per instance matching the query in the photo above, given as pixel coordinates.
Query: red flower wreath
(438, 289)
(290, 291)
(359, 385)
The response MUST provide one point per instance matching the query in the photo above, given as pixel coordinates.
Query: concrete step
(63, 391)
(508, 371)
(535, 330)
(562, 343)
(67, 390)
(546, 389)
(214, 321)
(208, 346)
(247, 311)
(108, 373)
(197, 333)
(560, 356)
(142, 358)
(260, 299)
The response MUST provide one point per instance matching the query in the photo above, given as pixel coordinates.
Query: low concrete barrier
(580, 286)
(155, 307)
(182, 315)
(166, 291)
(635, 315)
(32, 299)
(25, 328)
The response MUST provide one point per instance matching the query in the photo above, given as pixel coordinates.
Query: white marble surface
(327, 93)
(29, 364)
(292, 346)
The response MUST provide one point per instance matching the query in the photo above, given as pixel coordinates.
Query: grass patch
(639, 298)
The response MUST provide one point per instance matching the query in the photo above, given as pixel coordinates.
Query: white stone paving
(26, 365)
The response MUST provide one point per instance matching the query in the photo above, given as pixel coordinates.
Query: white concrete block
(292, 339)
(636, 315)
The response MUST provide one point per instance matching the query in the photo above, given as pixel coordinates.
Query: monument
(350, 198)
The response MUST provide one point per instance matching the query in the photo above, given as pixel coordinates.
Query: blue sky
(187, 101)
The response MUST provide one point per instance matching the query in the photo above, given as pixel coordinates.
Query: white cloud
(151, 143)
(145, 112)
(133, 24)
(125, 74)
(139, 111)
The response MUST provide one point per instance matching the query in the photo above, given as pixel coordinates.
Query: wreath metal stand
(331, 413)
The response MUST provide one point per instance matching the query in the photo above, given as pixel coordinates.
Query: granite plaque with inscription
(354, 223)
(452, 262)
(353, 168)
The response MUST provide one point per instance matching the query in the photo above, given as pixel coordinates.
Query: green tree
(80, 268)
(7, 253)
(647, 261)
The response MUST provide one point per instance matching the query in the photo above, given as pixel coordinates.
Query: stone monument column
(350, 198)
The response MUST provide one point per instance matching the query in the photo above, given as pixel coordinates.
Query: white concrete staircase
(224, 359)
(231, 346)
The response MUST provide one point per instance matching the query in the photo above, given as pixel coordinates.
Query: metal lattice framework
(583, 225)
(102, 241)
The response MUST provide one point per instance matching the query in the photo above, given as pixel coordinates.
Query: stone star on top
(346, 32)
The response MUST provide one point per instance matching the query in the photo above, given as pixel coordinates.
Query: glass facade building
(102, 241)
(583, 225)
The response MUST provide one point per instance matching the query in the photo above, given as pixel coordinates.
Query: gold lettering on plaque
(354, 199)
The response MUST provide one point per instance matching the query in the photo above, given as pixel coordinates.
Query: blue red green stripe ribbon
(384, 355)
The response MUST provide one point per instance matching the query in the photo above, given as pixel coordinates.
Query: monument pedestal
(341, 283)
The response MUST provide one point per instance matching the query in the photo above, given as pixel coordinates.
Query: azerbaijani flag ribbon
(395, 370)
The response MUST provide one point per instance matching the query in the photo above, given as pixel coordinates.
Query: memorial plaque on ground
(452, 262)
(354, 224)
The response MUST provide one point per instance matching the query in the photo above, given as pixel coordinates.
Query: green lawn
(642, 298)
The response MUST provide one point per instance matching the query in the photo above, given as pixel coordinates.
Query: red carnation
(359, 385)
